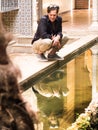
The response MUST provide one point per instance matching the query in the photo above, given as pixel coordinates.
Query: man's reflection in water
(50, 94)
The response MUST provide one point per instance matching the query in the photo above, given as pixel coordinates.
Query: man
(49, 34)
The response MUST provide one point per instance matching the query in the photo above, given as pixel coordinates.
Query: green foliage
(82, 123)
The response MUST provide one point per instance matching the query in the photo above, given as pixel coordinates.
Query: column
(94, 70)
(34, 15)
(39, 9)
(37, 13)
(94, 25)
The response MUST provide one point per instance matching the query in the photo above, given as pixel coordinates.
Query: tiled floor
(77, 20)
(74, 24)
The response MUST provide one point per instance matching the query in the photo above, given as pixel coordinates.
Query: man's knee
(41, 45)
(46, 45)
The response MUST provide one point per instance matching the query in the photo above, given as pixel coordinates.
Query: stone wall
(20, 21)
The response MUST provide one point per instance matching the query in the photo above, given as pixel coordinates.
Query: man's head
(52, 11)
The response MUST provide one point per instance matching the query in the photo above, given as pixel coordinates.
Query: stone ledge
(69, 52)
(20, 48)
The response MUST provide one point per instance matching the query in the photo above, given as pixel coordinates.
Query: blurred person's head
(5, 38)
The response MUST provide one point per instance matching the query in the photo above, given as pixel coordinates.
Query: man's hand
(56, 41)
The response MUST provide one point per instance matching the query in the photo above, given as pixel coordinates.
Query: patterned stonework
(7, 5)
(20, 21)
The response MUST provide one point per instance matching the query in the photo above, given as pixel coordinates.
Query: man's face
(52, 15)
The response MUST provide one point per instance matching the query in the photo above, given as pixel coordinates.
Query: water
(64, 94)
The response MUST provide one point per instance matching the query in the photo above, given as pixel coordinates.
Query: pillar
(39, 9)
(37, 13)
(94, 70)
(94, 25)
(34, 13)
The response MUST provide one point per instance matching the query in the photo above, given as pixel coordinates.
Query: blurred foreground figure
(14, 111)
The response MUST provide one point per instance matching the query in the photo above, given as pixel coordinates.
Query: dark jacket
(46, 28)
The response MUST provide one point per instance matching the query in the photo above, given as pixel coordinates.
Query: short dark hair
(52, 7)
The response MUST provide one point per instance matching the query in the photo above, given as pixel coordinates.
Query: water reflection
(50, 93)
(64, 93)
(53, 85)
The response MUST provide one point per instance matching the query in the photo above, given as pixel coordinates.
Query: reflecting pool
(62, 95)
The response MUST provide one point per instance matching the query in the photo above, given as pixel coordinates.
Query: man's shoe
(42, 57)
(54, 57)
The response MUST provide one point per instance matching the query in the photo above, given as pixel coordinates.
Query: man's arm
(43, 28)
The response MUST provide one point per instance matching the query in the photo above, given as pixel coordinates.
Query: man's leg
(52, 55)
(41, 46)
